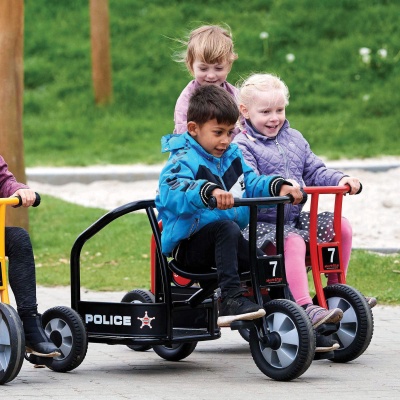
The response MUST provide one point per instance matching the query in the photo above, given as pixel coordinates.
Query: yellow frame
(4, 202)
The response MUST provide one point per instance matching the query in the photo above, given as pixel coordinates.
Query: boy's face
(211, 74)
(266, 112)
(212, 136)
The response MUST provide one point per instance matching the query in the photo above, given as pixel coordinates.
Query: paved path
(221, 368)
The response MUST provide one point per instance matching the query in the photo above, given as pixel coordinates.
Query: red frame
(315, 248)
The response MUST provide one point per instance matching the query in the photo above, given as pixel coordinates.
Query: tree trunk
(11, 97)
(101, 61)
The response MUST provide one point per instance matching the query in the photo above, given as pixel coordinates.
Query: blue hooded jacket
(188, 178)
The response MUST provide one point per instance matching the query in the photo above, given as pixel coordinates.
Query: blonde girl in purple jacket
(209, 56)
(270, 146)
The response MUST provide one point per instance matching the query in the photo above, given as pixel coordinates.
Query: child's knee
(295, 242)
(347, 230)
(229, 228)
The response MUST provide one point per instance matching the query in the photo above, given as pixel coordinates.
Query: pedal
(324, 356)
(327, 329)
(236, 325)
(36, 360)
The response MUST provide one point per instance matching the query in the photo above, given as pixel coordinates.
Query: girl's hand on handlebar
(224, 199)
(295, 192)
(28, 196)
(354, 183)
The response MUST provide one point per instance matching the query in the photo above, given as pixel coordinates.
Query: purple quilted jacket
(288, 155)
(8, 183)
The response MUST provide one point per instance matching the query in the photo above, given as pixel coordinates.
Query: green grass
(374, 275)
(344, 107)
(118, 258)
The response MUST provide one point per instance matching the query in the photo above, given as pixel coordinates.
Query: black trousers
(219, 245)
(21, 269)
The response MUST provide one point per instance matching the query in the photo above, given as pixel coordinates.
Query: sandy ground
(374, 214)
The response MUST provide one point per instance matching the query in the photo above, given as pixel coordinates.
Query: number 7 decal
(332, 250)
(273, 264)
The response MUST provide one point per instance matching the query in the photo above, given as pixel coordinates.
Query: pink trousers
(295, 255)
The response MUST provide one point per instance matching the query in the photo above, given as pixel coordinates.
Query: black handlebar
(258, 201)
(35, 204)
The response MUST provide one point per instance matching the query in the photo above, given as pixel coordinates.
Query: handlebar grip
(359, 190)
(305, 197)
(35, 203)
(303, 201)
(212, 203)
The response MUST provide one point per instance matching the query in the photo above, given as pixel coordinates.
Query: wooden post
(101, 61)
(11, 97)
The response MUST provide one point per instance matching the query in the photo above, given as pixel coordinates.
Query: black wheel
(291, 345)
(357, 325)
(12, 343)
(67, 331)
(175, 352)
(138, 296)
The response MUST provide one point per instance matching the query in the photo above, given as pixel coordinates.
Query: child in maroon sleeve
(21, 270)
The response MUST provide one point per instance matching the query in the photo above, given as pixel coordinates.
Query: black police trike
(172, 319)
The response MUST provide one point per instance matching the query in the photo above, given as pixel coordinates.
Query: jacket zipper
(283, 154)
(223, 184)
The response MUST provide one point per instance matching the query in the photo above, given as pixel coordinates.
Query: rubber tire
(139, 296)
(175, 352)
(12, 343)
(357, 326)
(288, 321)
(66, 329)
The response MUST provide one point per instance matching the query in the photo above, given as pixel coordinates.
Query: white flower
(264, 35)
(366, 58)
(382, 53)
(364, 51)
(366, 97)
(290, 57)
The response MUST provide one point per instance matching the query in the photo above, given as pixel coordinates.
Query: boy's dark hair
(212, 102)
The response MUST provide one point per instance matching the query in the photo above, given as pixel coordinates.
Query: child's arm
(180, 192)
(181, 108)
(353, 182)
(8, 183)
(28, 196)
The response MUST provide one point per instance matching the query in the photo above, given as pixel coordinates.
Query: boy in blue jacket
(204, 163)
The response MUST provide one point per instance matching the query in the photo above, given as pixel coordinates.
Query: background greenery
(344, 106)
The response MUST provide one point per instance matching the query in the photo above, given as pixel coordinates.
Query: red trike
(355, 330)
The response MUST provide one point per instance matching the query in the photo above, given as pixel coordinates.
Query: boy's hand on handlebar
(354, 184)
(295, 192)
(28, 196)
(293, 182)
(224, 199)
